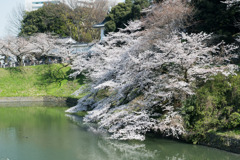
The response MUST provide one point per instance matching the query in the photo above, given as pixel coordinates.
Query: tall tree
(49, 18)
(212, 16)
(75, 21)
(35, 47)
(17, 47)
(124, 12)
(15, 19)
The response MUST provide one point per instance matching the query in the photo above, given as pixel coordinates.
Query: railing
(32, 63)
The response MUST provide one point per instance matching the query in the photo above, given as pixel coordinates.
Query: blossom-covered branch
(139, 81)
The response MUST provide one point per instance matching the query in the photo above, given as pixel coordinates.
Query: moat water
(47, 133)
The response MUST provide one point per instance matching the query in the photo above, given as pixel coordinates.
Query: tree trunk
(20, 60)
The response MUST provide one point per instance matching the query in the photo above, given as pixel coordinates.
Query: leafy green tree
(110, 26)
(49, 18)
(212, 16)
(142, 3)
(135, 12)
(64, 21)
(215, 107)
(124, 12)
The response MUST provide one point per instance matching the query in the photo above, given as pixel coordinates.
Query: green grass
(36, 81)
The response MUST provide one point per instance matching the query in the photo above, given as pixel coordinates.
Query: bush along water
(214, 108)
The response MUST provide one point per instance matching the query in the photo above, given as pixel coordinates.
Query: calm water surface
(47, 133)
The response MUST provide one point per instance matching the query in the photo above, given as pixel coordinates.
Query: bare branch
(15, 19)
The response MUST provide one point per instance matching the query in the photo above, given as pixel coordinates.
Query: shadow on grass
(15, 70)
(50, 74)
(80, 78)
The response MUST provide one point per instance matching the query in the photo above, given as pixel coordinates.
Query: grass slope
(43, 80)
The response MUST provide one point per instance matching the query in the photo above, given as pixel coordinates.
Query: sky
(6, 8)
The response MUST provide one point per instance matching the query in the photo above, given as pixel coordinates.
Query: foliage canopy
(64, 21)
(124, 12)
(213, 16)
(215, 107)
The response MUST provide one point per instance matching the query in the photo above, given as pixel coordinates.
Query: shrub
(215, 107)
(234, 120)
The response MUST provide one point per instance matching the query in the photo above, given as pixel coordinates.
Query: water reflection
(155, 149)
(46, 133)
(116, 150)
(121, 151)
(33, 104)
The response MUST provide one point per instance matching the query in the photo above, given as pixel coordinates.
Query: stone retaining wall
(222, 142)
(69, 101)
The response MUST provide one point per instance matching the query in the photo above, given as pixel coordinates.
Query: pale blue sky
(6, 8)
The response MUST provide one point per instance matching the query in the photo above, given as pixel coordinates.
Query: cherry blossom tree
(35, 47)
(231, 3)
(17, 47)
(46, 45)
(140, 78)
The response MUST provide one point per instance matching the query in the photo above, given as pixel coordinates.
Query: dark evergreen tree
(60, 19)
(212, 16)
(49, 18)
(124, 12)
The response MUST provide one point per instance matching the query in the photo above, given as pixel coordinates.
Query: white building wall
(32, 5)
(89, 2)
(113, 3)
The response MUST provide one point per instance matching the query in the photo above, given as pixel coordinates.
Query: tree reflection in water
(151, 149)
